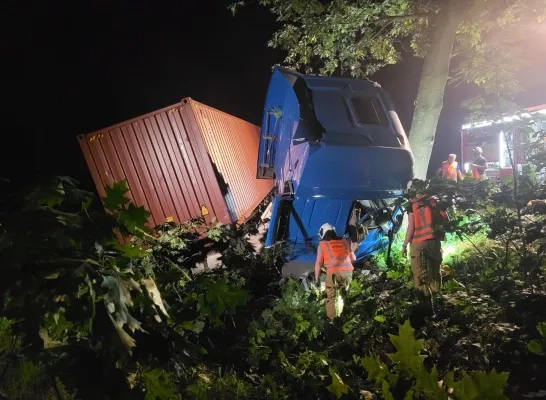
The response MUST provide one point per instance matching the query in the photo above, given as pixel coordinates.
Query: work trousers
(342, 280)
(426, 260)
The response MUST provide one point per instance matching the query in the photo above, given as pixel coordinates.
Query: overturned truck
(337, 153)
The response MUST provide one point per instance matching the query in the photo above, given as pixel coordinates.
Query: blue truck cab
(338, 153)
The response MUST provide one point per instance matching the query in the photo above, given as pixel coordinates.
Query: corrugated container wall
(183, 161)
(233, 146)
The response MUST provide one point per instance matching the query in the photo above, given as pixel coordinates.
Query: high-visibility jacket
(424, 221)
(336, 255)
(449, 171)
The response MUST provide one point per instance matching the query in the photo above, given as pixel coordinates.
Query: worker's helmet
(478, 150)
(326, 228)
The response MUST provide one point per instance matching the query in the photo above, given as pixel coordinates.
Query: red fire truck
(489, 136)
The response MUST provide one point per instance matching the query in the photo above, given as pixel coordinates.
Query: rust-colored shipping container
(183, 161)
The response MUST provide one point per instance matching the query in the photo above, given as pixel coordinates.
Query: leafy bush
(100, 305)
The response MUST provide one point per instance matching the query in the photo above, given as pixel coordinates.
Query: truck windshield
(369, 111)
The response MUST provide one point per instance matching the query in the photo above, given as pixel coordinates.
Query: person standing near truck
(337, 257)
(450, 169)
(425, 240)
(479, 165)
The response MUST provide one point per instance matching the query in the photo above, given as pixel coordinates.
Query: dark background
(72, 67)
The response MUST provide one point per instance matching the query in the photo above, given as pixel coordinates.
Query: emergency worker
(337, 257)
(479, 165)
(424, 237)
(450, 169)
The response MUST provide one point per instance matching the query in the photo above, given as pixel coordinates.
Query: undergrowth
(84, 317)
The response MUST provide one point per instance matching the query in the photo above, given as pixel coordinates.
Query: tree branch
(401, 18)
(396, 18)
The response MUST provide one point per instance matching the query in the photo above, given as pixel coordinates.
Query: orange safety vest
(424, 222)
(476, 174)
(449, 171)
(336, 255)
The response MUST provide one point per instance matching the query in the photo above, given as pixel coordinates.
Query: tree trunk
(430, 97)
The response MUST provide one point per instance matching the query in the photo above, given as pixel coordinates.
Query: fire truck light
(478, 125)
(504, 119)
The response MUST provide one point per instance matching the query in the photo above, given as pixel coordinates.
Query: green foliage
(337, 387)
(138, 320)
(23, 378)
(159, 385)
(295, 319)
(73, 258)
(220, 298)
(359, 38)
(534, 149)
(407, 349)
(539, 346)
(133, 219)
(399, 268)
(345, 36)
(480, 386)
(218, 385)
(408, 365)
(115, 199)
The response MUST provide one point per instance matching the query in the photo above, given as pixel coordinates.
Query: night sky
(73, 67)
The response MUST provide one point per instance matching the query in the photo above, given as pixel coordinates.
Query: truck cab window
(369, 111)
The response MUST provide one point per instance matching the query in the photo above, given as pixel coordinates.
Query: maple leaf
(377, 371)
(134, 217)
(115, 196)
(482, 385)
(427, 385)
(221, 297)
(337, 387)
(407, 349)
(224, 297)
(117, 300)
(128, 249)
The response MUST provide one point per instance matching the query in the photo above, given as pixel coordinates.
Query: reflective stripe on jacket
(424, 222)
(336, 255)
(449, 171)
